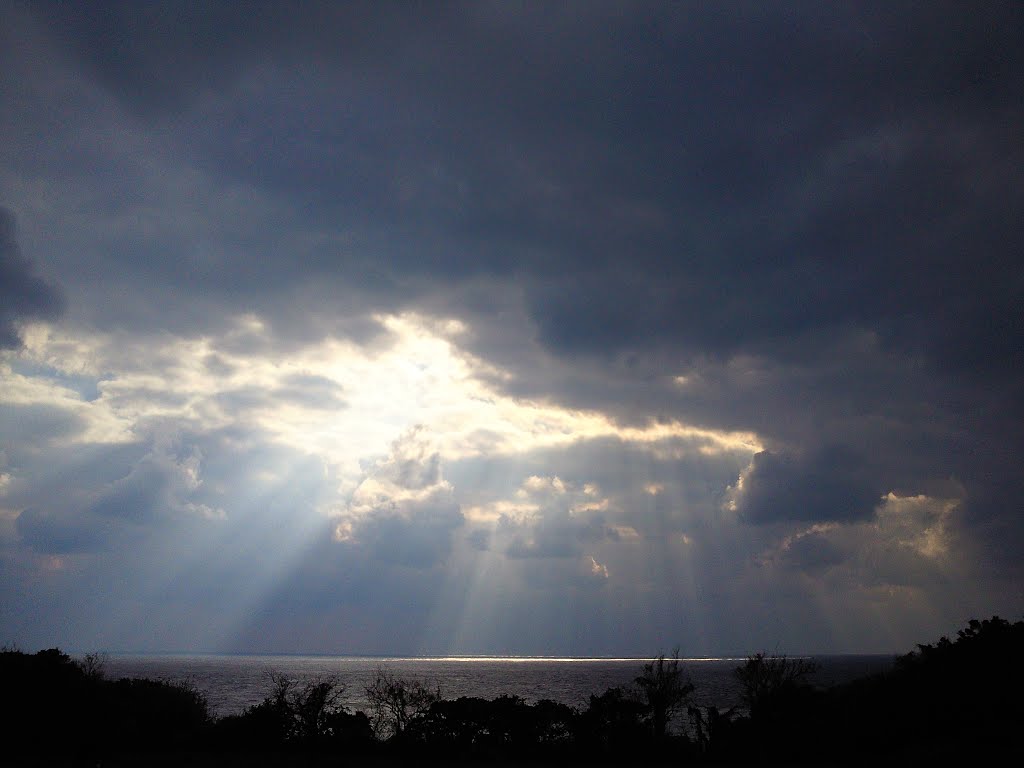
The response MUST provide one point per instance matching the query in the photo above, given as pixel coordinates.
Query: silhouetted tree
(556, 722)
(48, 693)
(665, 689)
(43, 692)
(502, 727)
(94, 666)
(314, 705)
(395, 701)
(764, 677)
(460, 725)
(966, 690)
(300, 712)
(954, 700)
(612, 722)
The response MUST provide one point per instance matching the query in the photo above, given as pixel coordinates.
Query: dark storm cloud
(830, 485)
(712, 181)
(23, 294)
(129, 46)
(813, 552)
(813, 214)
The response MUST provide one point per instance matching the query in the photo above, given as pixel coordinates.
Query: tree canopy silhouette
(958, 698)
(665, 688)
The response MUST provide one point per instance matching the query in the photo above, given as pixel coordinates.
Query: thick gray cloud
(23, 294)
(157, 488)
(415, 535)
(793, 222)
(830, 485)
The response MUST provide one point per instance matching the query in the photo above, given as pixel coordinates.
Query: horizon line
(463, 657)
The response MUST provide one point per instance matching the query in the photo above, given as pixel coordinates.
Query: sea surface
(233, 683)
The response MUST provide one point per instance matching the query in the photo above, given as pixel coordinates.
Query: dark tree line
(53, 704)
(955, 698)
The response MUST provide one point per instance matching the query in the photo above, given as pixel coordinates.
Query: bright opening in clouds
(476, 329)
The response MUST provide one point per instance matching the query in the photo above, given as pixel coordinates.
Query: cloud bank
(597, 328)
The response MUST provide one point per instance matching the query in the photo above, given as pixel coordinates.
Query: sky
(560, 328)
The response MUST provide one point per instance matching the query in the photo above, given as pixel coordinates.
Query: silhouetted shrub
(952, 699)
(505, 726)
(54, 704)
(765, 678)
(44, 693)
(307, 714)
(395, 701)
(154, 714)
(665, 689)
(958, 696)
(612, 723)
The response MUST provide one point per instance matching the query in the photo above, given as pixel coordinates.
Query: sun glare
(366, 396)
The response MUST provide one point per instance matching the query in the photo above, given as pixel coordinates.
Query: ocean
(233, 683)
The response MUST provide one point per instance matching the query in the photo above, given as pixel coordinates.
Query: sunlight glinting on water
(528, 659)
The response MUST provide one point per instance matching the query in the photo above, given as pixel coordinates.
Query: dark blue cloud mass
(831, 485)
(23, 294)
(394, 269)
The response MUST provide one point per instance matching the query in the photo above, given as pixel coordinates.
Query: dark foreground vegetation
(956, 700)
